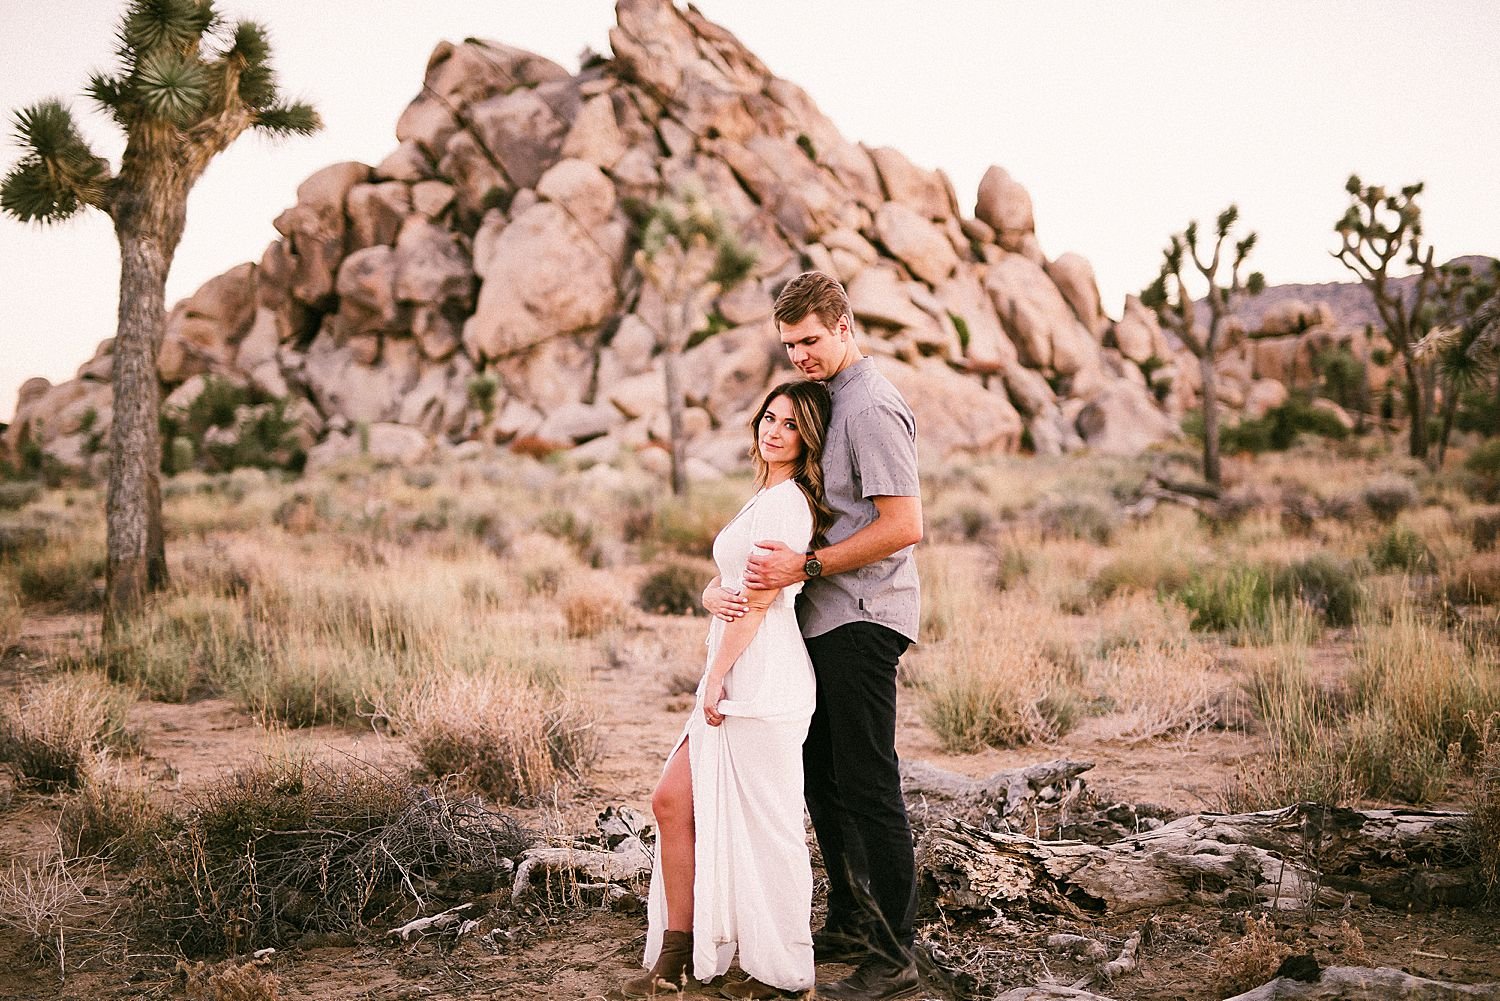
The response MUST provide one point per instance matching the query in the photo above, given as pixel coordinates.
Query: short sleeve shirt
(870, 451)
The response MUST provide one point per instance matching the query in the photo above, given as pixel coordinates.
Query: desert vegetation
(509, 631)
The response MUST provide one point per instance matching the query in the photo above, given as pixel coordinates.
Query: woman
(732, 872)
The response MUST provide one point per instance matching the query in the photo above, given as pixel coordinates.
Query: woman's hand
(713, 691)
(723, 603)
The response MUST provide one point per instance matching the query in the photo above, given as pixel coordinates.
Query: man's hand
(776, 568)
(725, 604)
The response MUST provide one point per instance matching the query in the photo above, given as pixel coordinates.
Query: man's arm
(897, 524)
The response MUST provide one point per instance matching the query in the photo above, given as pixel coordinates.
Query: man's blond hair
(812, 292)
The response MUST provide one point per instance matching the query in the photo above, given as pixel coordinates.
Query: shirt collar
(849, 374)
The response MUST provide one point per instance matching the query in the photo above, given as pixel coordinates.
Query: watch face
(813, 568)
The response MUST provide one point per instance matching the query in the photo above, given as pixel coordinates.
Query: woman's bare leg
(672, 802)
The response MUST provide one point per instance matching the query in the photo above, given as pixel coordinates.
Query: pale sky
(1124, 119)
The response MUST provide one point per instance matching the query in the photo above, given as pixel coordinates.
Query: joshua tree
(1169, 296)
(1377, 228)
(1461, 343)
(187, 86)
(688, 256)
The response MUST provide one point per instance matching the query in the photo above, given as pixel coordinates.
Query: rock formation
(478, 282)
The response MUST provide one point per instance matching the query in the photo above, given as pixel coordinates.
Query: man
(859, 611)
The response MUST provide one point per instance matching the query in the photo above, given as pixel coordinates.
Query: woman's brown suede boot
(672, 973)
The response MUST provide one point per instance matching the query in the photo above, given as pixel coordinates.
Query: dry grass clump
(1160, 690)
(991, 682)
(1388, 496)
(111, 816)
(1401, 549)
(10, 616)
(1075, 517)
(65, 574)
(1484, 803)
(50, 731)
(288, 847)
(1250, 960)
(1155, 557)
(1414, 688)
(588, 612)
(52, 902)
(14, 496)
(1475, 580)
(189, 643)
(496, 733)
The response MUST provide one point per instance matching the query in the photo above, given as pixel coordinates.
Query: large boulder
(1074, 277)
(202, 330)
(581, 189)
(917, 243)
(1124, 420)
(954, 414)
(1038, 318)
(926, 192)
(522, 132)
(546, 277)
(1005, 206)
(314, 229)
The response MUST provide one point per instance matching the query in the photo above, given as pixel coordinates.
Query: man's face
(817, 352)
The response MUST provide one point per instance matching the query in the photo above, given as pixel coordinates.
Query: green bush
(1401, 549)
(1483, 467)
(14, 496)
(1277, 431)
(1232, 599)
(675, 589)
(1326, 585)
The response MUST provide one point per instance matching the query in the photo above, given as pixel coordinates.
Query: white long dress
(752, 890)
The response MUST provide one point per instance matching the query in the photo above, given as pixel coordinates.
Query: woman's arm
(737, 636)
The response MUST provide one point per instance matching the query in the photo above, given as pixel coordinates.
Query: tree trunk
(1210, 421)
(1450, 407)
(1416, 408)
(136, 553)
(1353, 983)
(1284, 859)
(674, 419)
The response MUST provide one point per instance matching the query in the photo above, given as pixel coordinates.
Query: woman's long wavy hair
(811, 406)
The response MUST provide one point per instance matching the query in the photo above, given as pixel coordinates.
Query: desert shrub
(1250, 960)
(1484, 530)
(1400, 549)
(1484, 804)
(1160, 690)
(54, 905)
(111, 816)
(50, 731)
(513, 740)
(1277, 431)
(1327, 586)
(62, 574)
(674, 589)
(310, 683)
(14, 496)
(19, 539)
(1009, 566)
(1229, 599)
(189, 643)
(288, 847)
(1077, 518)
(1483, 468)
(1389, 496)
(991, 684)
(10, 616)
(231, 980)
(1475, 580)
(589, 613)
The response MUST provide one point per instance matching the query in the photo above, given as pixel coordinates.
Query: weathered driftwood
(1284, 858)
(1012, 794)
(437, 924)
(580, 867)
(1126, 961)
(1078, 946)
(1049, 992)
(1353, 983)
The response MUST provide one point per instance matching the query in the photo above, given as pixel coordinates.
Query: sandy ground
(580, 954)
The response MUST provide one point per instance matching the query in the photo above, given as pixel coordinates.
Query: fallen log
(1048, 992)
(580, 867)
(436, 924)
(1012, 794)
(1282, 859)
(1354, 983)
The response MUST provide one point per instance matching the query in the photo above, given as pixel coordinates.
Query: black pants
(852, 784)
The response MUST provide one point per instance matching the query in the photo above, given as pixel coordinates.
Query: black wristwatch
(814, 566)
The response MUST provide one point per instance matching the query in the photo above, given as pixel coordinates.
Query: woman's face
(777, 435)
